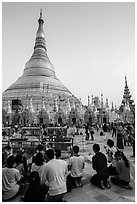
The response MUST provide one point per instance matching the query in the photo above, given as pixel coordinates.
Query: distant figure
(119, 143)
(105, 129)
(87, 132)
(91, 129)
(76, 165)
(132, 133)
(114, 129)
(99, 164)
(123, 169)
(110, 151)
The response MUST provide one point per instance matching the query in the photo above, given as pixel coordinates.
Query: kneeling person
(54, 173)
(99, 163)
(76, 165)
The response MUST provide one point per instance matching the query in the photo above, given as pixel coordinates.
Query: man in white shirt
(10, 177)
(76, 164)
(54, 172)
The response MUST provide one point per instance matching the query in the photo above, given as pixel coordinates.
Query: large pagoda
(38, 79)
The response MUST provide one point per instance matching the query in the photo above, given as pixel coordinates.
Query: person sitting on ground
(19, 164)
(123, 169)
(110, 151)
(10, 178)
(54, 172)
(24, 160)
(7, 152)
(38, 149)
(57, 153)
(76, 164)
(38, 164)
(99, 164)
(35, 192)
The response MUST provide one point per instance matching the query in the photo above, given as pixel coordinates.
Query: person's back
(54, 172)
(10, 177)
(99, 162)
(123, 171)
(39, 162)
(77, 164)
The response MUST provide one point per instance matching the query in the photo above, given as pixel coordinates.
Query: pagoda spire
(9, 110)
(27, 103)
(88, 101)
(40, 31)
(126, 96)
(107, 105)
(102, 103)
(43, 108)
(73, 104)
(31, 106)
(112, 108)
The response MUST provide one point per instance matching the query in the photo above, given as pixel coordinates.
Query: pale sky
(91, 45)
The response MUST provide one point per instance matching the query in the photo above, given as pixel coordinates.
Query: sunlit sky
(91, 45)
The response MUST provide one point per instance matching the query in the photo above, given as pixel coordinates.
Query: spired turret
(38, 77)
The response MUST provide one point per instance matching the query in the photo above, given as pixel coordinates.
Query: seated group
(50, 177)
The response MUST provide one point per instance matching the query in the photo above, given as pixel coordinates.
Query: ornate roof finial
(88, 101)
(125, 81)
(40, 18)
(40, 13)
(40, 32)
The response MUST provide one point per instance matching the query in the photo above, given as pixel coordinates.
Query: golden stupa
(39, 78)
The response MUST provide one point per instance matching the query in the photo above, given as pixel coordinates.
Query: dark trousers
(97, 178)
(87, 136)
(117, 181)
(112, 170)
(92, 137)
(71, 182)
(114, 133)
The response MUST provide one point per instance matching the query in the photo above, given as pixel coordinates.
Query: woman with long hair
(38, 164)
(123, 170)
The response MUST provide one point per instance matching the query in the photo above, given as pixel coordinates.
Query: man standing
(99, 163)
(114, 129)
(54, 172)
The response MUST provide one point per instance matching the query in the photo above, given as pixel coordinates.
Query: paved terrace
(90, 193)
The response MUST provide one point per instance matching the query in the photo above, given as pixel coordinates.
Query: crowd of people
(124, 133)
(48, 177)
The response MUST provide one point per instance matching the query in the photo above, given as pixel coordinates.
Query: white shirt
(77, 163)
(55, 172)
(10, 177)
(37, 168)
